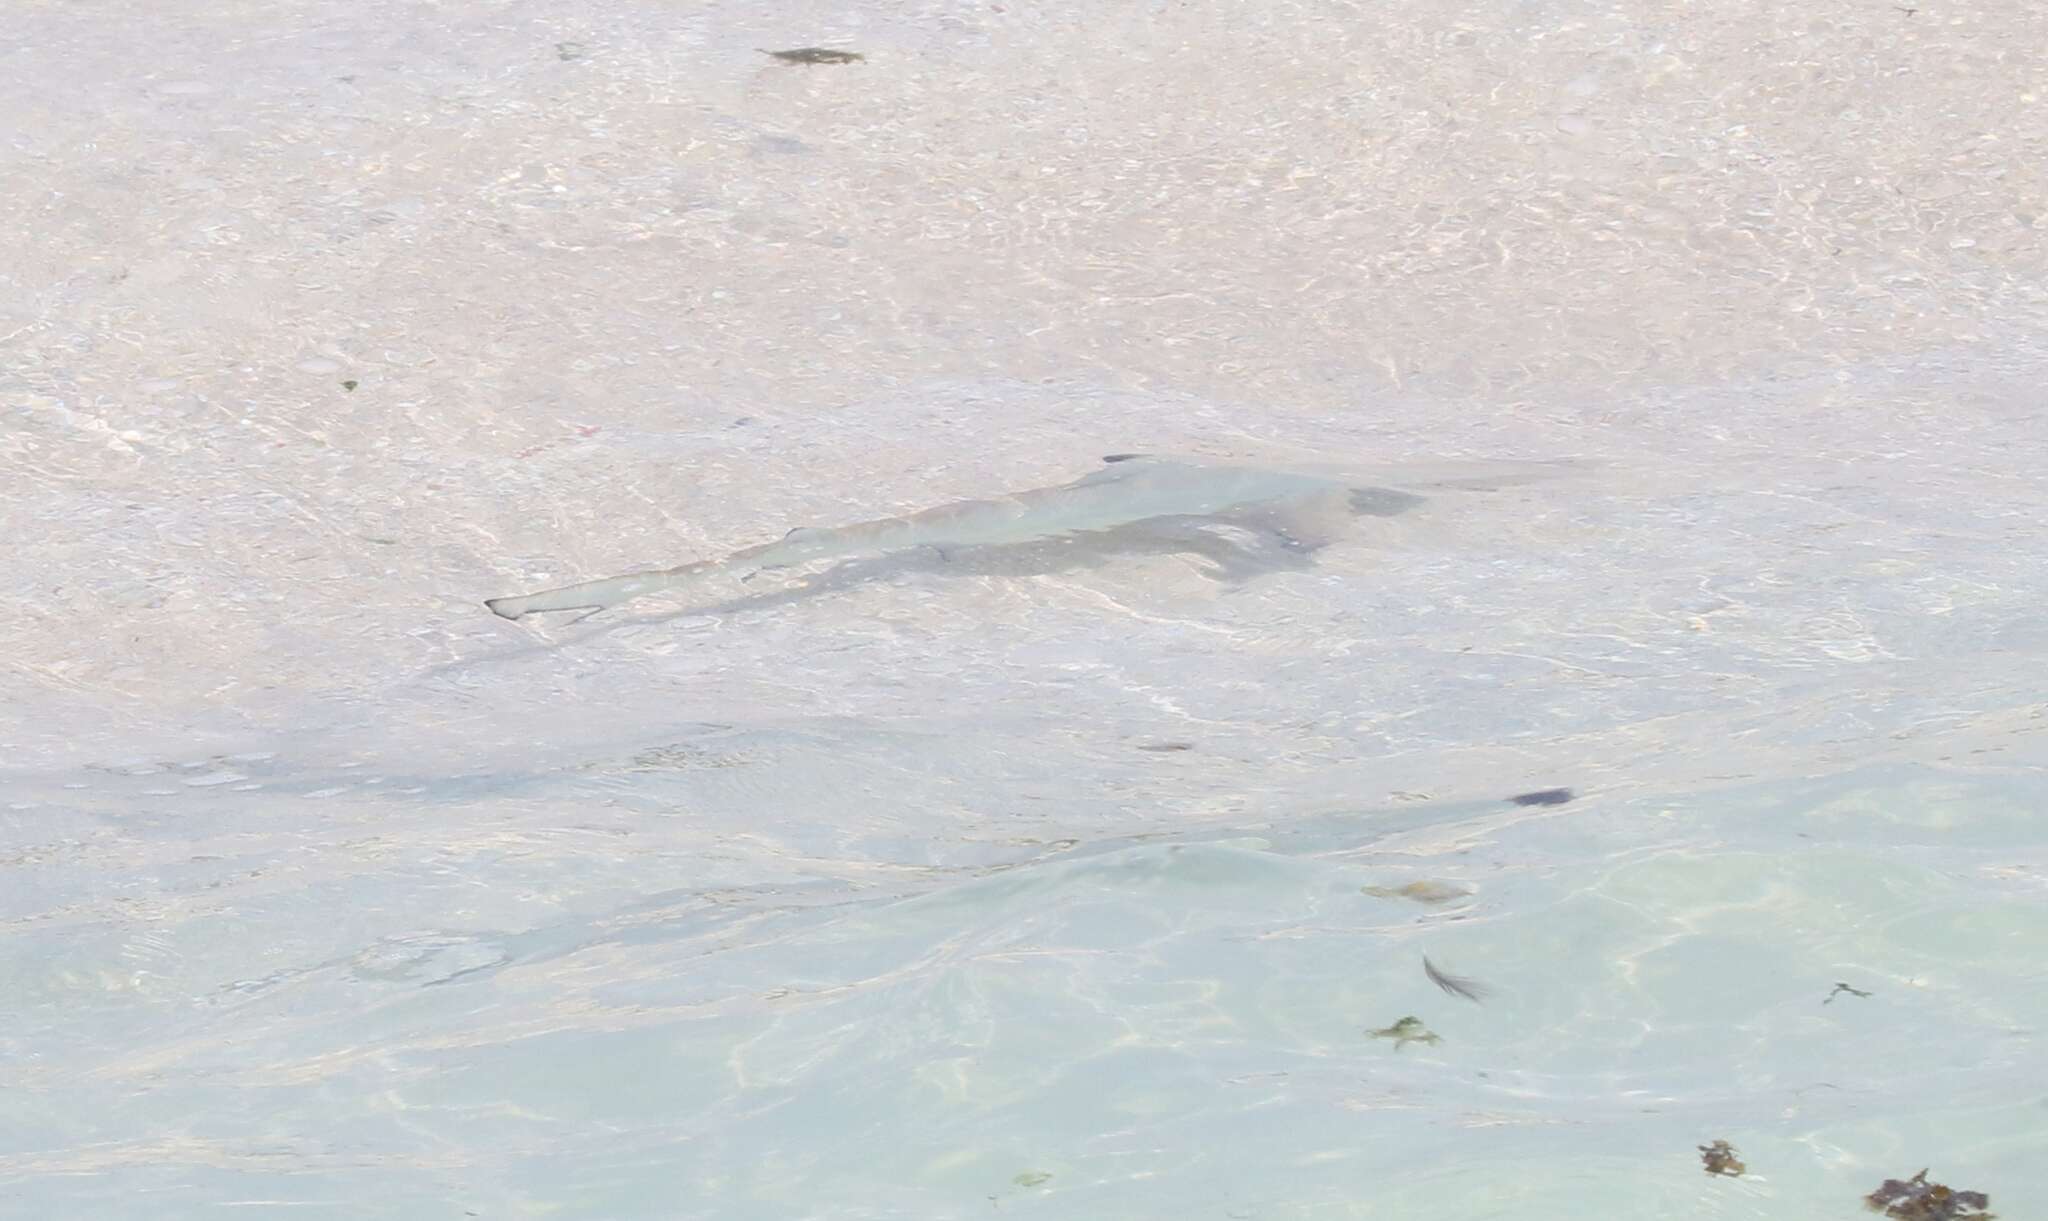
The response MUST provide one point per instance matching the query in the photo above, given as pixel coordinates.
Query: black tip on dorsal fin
(1120, 457)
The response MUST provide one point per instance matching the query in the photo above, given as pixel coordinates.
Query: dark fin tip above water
(1543, 797)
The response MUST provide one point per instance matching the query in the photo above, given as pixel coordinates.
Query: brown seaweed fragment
(1457, 985)
(1841, 988)
(1719, 1158)
(1407, 1030)
(1919, 1199)
(1422, 892)
(1916, 1199)
(814, 55)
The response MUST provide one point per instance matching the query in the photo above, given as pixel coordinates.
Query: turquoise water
(1166, 1020)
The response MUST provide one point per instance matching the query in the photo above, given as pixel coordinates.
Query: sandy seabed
(959, 883)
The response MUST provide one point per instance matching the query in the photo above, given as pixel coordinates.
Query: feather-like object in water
(1457, 985)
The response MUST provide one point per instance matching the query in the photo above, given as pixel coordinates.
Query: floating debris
(1032, 1178)
(1421, 892)
(1916, 1199)
(1543, 797)
(1407, 1030)
(350, 384)
(1457, 985)
(1841, 988)
(814, 55)
(1719, 1158)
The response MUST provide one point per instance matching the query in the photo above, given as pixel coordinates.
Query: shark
(1243, 519)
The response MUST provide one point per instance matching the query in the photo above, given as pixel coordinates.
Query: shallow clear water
(600, 1006)
(1049, 879)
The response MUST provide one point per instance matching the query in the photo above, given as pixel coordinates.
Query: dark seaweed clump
(1719, 1158)
(1916, 1199)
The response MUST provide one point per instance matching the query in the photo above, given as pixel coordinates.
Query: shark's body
(1125, 492)
(1135, 504)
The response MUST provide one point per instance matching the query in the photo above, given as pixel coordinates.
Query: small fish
(1407, 1030)
(1457, 985)
(814, 55)
(1841, 988)
(1543, 797)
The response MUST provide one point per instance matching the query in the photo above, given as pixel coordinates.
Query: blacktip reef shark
(1244, 519)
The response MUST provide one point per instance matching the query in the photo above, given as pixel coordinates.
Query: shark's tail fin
(590, 595)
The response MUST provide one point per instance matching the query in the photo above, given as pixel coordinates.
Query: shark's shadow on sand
(1245, 522)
